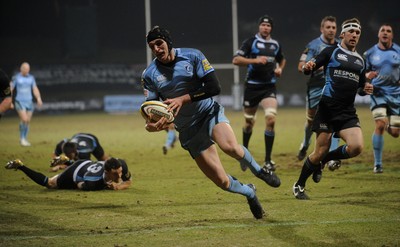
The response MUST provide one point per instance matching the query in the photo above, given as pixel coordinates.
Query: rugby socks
(37, 177)
(246, 137)
(334, 143)
(269, 137)
(170, 138)
(306, 171)
(377, 143)
(26, 131)
(21, 130)
(237, 187)
(339, 153)
(249, 161)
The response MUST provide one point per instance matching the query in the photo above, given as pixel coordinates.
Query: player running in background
(23, 86)
(383, 70)
(345, 76)
(5, 93)
(79, 146)
(83, 174)
(316, 81)
(265, 61)
(170, 140)
(185, 81)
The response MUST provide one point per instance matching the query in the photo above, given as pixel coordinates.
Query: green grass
(171, 203)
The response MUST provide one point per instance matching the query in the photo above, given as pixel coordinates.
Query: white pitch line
(104, 232)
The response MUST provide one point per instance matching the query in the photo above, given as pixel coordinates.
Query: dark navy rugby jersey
(344, 73)
(257, 46)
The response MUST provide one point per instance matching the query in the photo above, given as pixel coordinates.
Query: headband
(351, 25)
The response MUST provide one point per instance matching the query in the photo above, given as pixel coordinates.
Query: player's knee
(52, 182)
(270, 112)
(379, 113)
(355, 150)
(309, 117)
(394, 121)
(249, 118)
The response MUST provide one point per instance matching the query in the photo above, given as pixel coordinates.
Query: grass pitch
(171, 203)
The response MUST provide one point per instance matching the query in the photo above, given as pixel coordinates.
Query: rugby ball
(154, 110)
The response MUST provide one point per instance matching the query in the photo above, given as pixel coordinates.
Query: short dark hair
(328, 18)
(387, 25)
(70, 147)
(112, 164)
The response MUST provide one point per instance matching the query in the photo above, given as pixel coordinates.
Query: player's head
(350, 34)
(266, 19)
(328, 27)
(25, 68)
(70, 149)
(352, 24)
(385, 34)
(159, 33)
(265, 25)
(113, 169)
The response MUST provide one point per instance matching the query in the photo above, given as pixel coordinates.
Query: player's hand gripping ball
(156, 110)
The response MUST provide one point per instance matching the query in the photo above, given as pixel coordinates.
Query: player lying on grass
(79, 146)
(83, 174)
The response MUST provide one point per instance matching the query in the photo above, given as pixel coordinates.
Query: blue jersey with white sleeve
(182, 76)
(22, 86)
(387, 64)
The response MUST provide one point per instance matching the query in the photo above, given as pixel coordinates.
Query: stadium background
(85, 53)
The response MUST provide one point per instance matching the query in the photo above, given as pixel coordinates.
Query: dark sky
(113, 31)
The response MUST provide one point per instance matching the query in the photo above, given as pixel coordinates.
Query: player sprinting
(185, 81)
(345, 76)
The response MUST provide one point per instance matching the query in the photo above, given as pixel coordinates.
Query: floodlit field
(171, 203)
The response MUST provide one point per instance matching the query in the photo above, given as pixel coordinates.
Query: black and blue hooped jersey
(257, 46)
(87, 144)
(344, 73)
(92, 172)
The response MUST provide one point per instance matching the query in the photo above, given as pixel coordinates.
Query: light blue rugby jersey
(167, 81)
(313, 48)
(387, 63)
(24, 86)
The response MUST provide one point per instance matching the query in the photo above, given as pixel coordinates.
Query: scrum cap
(159, 33)
(267, 19)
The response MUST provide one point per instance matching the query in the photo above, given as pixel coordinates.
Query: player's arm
(279, 68)
(210, 87)
(364, 85)
(243, 58)
(91, 185)
(36, 93)
(302, 60)
(119, 186)
(320, 60)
